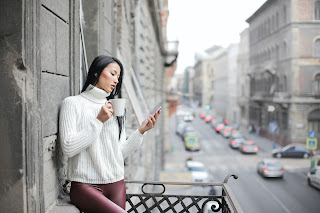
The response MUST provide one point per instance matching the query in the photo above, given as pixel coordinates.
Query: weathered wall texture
(40, 66)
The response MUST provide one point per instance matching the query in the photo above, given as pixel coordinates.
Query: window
(284, 50)
(284, 15)
(284, 84)
(314, 121)
(317, 48)
(316, 84)
(277, 84)
(317, 10)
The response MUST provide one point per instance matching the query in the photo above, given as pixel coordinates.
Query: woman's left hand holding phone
(105, 112)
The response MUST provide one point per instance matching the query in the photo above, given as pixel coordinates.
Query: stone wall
(41, 66)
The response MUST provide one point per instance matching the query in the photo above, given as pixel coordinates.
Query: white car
(198, 171)
(314, 177)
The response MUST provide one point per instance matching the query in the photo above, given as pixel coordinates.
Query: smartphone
(157, 111)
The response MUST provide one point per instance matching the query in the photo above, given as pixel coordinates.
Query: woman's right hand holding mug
(105, 112)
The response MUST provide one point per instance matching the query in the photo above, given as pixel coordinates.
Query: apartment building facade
(284, 69)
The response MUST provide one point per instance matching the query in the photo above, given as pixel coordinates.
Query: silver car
(237, 142)
(248, 147)
(270, 168)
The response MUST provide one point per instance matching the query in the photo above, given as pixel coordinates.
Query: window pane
(317, 47)
(317, 10)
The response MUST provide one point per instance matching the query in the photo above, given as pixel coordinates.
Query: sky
(200, 24)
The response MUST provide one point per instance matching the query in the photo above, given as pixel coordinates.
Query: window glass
(317, 10)
(317, 48)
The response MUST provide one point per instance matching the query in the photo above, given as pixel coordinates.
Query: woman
(95, 141)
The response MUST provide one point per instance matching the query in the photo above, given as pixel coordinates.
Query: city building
(225, 83)
(47, 47)
(243, 83)
(203, 85)
(284, 69)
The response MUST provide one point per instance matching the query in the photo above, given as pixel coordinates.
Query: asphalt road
(254, 193)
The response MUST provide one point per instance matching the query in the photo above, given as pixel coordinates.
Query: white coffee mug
(118, 106)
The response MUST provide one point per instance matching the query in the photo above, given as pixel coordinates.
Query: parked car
(198, 171)
(248, 147)
(270, 167)
(180, 128)
(237, 142)
(293, 151)
(314, 177)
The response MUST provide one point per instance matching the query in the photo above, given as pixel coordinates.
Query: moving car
(236, 134)
(219, 128)
(293, 151)
(314, 177)
(270, 167)
(188, 117)
(237, 142)
(198, 171)
(208, 118)
(226, 131)
(248, 147)
(217, 121)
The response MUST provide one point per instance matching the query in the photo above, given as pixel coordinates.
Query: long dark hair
(96, 68)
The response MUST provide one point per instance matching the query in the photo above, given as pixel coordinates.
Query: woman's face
(109, 77)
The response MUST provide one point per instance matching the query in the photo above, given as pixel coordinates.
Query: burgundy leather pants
(96, 198)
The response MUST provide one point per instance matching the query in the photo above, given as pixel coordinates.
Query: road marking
(274, 197)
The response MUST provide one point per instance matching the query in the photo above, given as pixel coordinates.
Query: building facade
(243, 84)
(47, 48)
(202, 82)
(284, 69)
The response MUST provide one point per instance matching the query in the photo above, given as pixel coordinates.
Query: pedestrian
(95, 141)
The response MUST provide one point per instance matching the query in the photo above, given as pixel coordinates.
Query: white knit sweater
(95, 154)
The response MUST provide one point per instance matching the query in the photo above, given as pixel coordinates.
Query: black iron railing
(159, 200)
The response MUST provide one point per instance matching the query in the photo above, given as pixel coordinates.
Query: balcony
(155, 198)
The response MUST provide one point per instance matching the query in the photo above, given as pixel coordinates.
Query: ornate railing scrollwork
(164, 201)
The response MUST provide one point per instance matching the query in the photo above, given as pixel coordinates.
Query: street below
(290, 194)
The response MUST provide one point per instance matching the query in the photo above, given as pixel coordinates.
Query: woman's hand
(105, 112)
(149, 122)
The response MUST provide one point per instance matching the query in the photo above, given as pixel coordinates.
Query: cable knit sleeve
(131, 144)
(74, 141)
